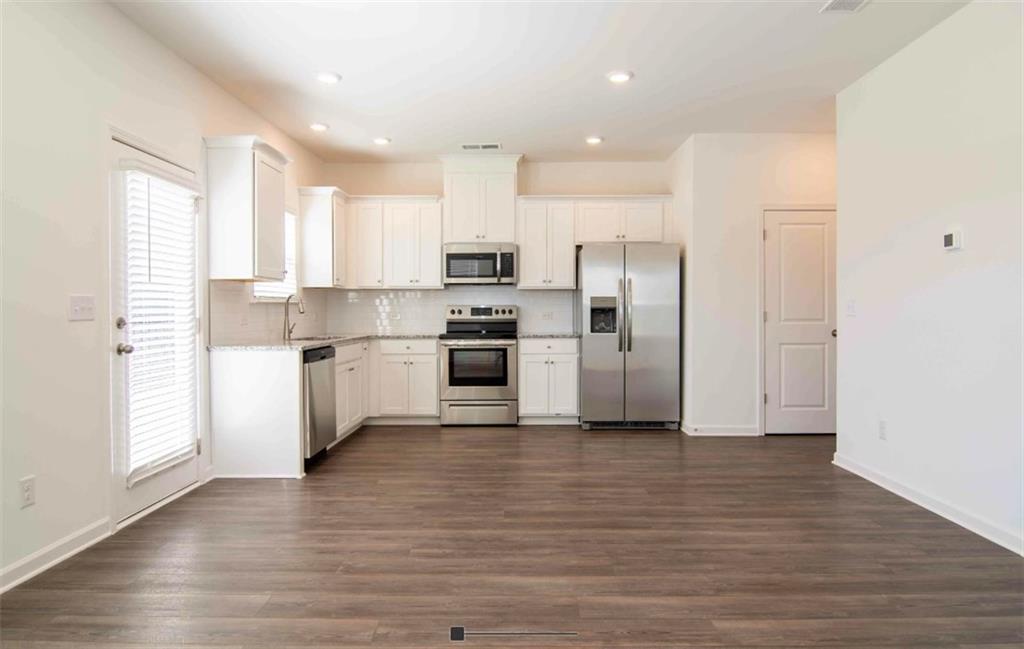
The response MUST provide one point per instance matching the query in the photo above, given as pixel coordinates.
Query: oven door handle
(479, 343)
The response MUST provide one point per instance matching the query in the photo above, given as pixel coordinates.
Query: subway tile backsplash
(399, 311)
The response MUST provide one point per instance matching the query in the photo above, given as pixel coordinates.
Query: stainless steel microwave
(480, 263)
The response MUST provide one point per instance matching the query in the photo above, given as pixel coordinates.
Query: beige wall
(90, 68)
(734, 175)
(929, 140)
(534, 177)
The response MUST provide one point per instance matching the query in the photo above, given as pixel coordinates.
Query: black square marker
(457, 633)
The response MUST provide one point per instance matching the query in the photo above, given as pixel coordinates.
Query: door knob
(123, 348)
(834, 333)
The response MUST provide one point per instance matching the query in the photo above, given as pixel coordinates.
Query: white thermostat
(952, 240)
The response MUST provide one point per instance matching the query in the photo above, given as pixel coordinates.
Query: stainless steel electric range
(479, 379)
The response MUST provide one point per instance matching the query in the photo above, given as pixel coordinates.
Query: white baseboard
(402, 421)
(698, 430)
(549, 421)
(35, 563)
(254, 476)
(981, 527)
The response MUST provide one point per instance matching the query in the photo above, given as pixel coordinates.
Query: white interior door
(800, 321)
(155, 338)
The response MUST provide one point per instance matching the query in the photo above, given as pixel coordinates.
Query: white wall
(680, 170)
(534, 177)
(69, 71)
(932, 138)
(734, 175)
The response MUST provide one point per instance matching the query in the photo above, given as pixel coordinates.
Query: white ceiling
(531, 75)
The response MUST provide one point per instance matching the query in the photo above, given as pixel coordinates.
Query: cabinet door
(339, 245)
(394, 384)
(561, 246)
(401, 244)
(269, 218)
(423, 385)
(644, 221)
(354, 387)
(462, 213)
(341, 402)
(429, 275)
(533, 384)
(598, 222)
(563, 384)
(499, 207)
(533, 245)
(369, 245)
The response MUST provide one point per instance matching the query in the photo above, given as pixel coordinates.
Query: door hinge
(764, 235)
(199, 446)
(766, 398)
(766, 316)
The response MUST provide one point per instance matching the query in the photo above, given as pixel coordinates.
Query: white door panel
(644, 221)
(800, 350)
(533, 245)
(423, 385)
(533, 384)
(561, 238)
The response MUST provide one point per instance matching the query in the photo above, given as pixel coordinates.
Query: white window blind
(289, 285)
(160, 305)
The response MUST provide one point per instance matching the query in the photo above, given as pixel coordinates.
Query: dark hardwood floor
(630, 539)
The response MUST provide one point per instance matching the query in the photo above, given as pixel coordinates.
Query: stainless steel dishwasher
(319, 419)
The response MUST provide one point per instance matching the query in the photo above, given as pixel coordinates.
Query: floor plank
(629, 538)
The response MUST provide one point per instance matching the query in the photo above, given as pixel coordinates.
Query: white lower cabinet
(548, 378)
(408, 378)
(350, 387)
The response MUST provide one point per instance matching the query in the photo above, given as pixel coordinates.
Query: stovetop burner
(480, 322)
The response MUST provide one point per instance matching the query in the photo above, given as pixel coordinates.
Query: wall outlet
(27, 490)
(883, 430)
(851, 308)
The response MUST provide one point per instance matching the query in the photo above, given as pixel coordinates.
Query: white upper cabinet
(324, 255)
(598, 222)
(246, 204)
(480, 198)
(622, 220)
(643, 221)
(365, 244)
(547, 249)
(412, 244)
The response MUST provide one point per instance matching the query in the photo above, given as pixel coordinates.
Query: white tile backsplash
(236, 320)
(422, 312)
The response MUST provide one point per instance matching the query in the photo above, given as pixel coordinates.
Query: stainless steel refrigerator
(629, 313)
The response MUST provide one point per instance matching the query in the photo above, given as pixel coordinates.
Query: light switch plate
(81, 307)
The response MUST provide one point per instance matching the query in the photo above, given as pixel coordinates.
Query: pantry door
(155, 337)
(800, 321)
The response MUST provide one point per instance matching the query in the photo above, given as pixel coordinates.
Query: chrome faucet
(289, 326)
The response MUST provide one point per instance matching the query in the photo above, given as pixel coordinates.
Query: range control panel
(481, 312)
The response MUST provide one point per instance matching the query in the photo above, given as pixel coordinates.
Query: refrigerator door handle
(629, 314)
(618, 314)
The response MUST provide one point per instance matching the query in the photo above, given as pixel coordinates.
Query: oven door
(478, 370)
(471, 266)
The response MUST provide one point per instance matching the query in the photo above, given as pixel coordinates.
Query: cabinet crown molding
(321, 191)
(253, 142)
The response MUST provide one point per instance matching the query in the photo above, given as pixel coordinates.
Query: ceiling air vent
(843, 6)
(487, 146)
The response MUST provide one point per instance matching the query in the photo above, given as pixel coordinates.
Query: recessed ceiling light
(382, 141)
(619, 76)
(318, 127)
(594, 140)
(330, 78)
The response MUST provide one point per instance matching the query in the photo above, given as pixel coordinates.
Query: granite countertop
(530, 335)
(302, 343)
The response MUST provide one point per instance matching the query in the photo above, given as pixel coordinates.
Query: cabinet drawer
(347, 352)
(408, 346)
(547, 346)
